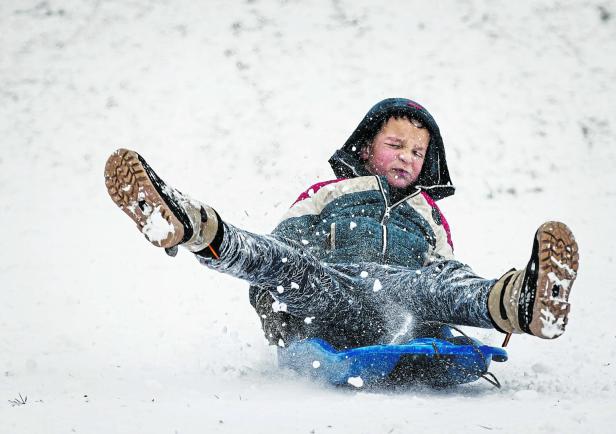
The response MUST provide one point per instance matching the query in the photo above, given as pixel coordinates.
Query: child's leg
(369, 303)
(302, 285)
(446, 291)
(533, 300)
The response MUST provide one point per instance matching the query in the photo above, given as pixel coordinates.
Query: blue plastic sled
(438, 362)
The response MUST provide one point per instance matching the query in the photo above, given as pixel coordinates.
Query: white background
(240, 104)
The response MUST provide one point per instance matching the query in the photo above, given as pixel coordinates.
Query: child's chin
(399, 183)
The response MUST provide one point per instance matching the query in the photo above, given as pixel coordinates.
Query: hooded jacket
(434, 177)
(358, 217)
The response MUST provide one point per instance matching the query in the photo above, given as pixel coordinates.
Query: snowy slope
(240, 104)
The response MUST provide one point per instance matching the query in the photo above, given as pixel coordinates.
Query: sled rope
(506, 341)
(491, 378)
(213, 251)
(488, 376)
(173, 251)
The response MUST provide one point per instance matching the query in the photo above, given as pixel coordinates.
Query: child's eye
(394, 145)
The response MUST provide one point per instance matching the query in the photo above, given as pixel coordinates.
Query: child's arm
(299, 221)
(428, 208)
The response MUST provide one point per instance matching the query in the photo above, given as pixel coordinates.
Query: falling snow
(139, 332)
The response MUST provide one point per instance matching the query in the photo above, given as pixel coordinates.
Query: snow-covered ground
(240, 104)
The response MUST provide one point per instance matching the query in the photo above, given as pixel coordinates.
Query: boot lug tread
(127, 182)
(558, 265)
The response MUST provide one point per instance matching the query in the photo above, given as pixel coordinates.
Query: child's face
(397, 152)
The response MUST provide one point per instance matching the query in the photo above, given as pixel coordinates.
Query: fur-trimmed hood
(434, 177)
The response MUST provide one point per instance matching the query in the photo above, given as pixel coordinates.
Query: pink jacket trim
(314, 188)
(433, 204)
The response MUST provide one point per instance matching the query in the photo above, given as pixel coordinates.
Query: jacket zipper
(332, 236)
(387, 212)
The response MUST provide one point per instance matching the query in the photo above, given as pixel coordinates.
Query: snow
(563, 266)
(356, 381)
(404, 329)
(377, 286)
(551, 326)
(559, 282)
(240, 105)
(156, 228)
(278, 306)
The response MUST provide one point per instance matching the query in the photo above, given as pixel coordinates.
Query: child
(366, 258)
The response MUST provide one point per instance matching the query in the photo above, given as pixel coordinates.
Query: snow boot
(535, 300)
(165, 216)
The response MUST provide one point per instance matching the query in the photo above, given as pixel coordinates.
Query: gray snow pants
(369, 303)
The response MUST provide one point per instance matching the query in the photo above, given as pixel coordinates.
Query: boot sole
(553, 266)
(130, 187)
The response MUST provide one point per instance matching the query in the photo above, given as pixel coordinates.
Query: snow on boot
(165, 216)
(534, 300)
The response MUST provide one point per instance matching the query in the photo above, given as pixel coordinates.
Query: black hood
(434, 177)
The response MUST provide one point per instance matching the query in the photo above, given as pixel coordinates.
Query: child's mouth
(400, 173)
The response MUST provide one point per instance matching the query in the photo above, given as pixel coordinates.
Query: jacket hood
(434, 177)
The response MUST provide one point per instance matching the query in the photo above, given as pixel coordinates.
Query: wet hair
(377, 126)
